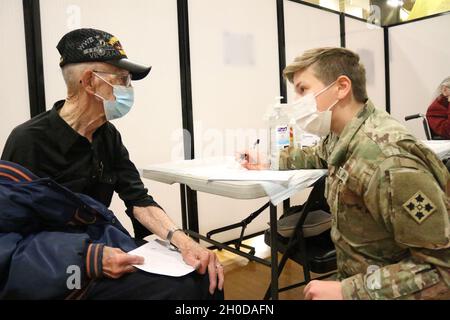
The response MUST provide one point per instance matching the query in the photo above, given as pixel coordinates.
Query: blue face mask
(115, 109)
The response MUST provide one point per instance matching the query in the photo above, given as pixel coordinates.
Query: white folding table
(186, 174)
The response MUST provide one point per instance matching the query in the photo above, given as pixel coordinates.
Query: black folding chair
(308, 245)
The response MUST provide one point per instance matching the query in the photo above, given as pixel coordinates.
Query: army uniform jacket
(388, 195)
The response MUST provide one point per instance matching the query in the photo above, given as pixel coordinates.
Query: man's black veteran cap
(91, 45)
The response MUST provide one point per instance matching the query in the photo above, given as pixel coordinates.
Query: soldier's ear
(344, 86)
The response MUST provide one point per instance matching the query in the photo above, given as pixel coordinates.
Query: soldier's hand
(253, 160)
(116, 263)
(323, 290)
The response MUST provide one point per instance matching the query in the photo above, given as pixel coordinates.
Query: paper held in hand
(161, 260)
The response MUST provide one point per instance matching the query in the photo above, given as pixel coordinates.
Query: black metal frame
(243, 225)
(188, 196)
(282, 63)
(342, 28)
(245, 237)
(387, 76)
(35, 69)
(281, 49)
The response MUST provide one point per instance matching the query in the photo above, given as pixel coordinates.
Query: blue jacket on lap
(45, 229)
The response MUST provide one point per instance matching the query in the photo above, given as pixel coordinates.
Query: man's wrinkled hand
(204, 260)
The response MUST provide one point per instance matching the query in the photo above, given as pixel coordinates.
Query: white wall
(368, 41)
(419, 61)
(148, 32)
(15, 107)
(234, 65)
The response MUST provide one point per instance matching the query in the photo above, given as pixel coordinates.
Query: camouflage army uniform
(388, 196)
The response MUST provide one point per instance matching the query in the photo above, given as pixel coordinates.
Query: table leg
(189, 209)
(286, 205)
(183, 206)
(192, 213)
(273, 252)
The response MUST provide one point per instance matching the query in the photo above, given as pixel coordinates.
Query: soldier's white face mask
(308, 118)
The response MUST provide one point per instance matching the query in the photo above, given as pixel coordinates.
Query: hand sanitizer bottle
(279, 128)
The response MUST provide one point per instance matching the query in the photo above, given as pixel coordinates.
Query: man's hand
(204, 260)
(116, 263)
(156, 220)
(253, 160)
(323, 290)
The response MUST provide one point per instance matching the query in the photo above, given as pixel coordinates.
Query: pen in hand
(246, 156)
(256, 144)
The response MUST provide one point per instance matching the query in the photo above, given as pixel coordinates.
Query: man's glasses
(121, 79)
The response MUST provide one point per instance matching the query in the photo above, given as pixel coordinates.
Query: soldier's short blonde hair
(328, 64)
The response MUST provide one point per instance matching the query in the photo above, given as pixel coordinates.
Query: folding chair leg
(284, 258)
(306, 268)
(306, 273)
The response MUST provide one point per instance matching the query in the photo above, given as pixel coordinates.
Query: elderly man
(75, 145)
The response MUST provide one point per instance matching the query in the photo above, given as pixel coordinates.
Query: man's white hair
(72, 74)
(444, 83)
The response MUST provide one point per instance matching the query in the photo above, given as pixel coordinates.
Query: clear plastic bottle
(280, 132)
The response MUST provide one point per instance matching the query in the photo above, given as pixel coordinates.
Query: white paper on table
(250, 175)
(161, 260)
(278, 185)
(196, 167)
(440, 147)
(278, 192)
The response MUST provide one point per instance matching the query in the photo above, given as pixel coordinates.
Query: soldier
(387, 192)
